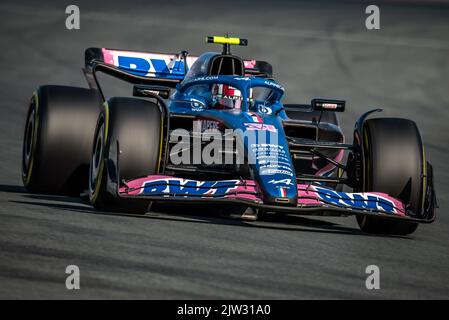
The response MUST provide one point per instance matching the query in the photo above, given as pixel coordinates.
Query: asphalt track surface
(318, 49)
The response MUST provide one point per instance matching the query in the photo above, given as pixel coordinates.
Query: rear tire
(137, 126)
(57, 141)
(394, 165)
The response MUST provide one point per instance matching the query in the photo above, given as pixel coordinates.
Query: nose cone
(271, 162)
(279, 191)
(275, 175)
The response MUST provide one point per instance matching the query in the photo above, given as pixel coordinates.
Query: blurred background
(317, 49)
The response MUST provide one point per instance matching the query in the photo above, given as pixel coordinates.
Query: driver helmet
(226, 97)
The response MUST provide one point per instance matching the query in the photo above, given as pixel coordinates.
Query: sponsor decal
(227, 96)
(179, 186)
(367, 201)
(287, 182)
(264, 171)
(205, 78)
(196, 105)
(150, 64)
(203, 125)
(264, 109)
(272, 159)
(260, 126)
(330, 105)
(274, 84)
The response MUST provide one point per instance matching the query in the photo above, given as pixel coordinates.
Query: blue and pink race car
(212, 131)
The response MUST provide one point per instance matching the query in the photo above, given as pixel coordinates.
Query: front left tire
(137, 126)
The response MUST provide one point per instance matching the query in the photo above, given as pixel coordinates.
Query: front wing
(313, 199)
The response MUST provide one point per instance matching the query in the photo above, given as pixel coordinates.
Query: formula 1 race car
(212, 130)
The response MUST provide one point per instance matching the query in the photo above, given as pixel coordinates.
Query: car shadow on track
(272, 221)
(190, 215)
(12, 189)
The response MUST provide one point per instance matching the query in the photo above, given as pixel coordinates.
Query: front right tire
(394, 164)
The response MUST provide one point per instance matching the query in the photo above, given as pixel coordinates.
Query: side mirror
(147, 91)
(328, 105)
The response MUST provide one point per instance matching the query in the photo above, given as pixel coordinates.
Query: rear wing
(151, 68)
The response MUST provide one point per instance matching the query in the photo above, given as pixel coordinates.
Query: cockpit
(224, 81)
(226, 96)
